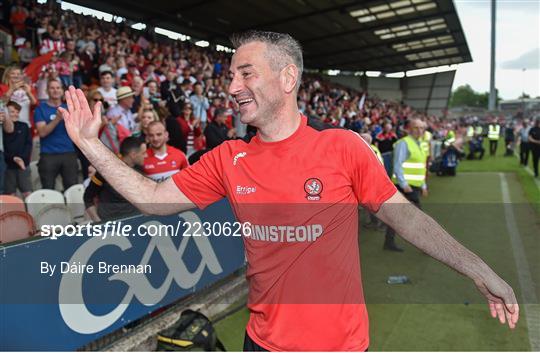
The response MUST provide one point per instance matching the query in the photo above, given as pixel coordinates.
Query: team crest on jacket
(313, 188)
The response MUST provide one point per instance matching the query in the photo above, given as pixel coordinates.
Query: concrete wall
(353, 82)
(386, 88)
(429, 93)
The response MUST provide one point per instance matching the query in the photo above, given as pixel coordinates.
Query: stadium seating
(16, 225)
(10, 203)
(15, 222)
(75, 202)
(48, 207)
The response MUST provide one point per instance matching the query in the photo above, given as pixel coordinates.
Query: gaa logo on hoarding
(76, 314)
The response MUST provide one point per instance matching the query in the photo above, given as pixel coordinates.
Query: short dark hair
(15, 105)
(220, 111)
(282, 49)
(130, 144)
(106, 72)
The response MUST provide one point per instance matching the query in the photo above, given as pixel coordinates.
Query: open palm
(81, 123)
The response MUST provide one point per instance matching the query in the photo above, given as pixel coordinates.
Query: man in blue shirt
(58, 154)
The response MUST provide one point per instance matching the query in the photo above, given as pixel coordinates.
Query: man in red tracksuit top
(299, 188)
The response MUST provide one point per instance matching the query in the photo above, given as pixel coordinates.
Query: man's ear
(289, 77)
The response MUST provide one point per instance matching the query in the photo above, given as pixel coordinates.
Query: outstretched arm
(148, 196)
(426, 234)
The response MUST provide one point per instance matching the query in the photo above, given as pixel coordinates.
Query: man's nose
(235, 86)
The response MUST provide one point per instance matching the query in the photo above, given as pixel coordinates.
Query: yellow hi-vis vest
(414, 168)
(470, 131)
(478, 130)
(493, 132)
(450, 138)
(425, 142)
(377, 153)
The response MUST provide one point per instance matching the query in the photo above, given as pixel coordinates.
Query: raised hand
(81, 123)
(501, 299)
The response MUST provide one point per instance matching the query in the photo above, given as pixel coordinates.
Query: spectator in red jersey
(53, 43)
(189, 128)
(162, 160)
(385, 142)
(18, 15)
(65, 69)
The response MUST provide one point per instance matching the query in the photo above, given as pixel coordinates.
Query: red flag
(34, 68)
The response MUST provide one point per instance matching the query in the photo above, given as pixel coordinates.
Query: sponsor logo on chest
(245, 190)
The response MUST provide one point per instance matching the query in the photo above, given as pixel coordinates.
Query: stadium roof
(379, 35)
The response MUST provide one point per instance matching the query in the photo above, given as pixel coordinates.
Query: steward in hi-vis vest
(409, 171)
(494, 131)
(378, 153)
(425, 143)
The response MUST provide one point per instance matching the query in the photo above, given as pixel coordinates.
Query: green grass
(500, 163)
(440, 309)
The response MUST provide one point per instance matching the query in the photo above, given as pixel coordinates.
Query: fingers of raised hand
(83, 102)
(75, 98)
(69, 100)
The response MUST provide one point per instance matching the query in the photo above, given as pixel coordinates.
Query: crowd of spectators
(141, 80)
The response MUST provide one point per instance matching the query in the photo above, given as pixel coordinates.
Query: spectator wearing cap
(217, 131)
(106, 80)
(121, 113)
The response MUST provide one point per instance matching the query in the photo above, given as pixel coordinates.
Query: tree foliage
(465, 96)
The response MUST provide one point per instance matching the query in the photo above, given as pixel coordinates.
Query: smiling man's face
(255, 85)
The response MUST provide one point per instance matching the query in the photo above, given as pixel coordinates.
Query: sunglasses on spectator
(98, 99)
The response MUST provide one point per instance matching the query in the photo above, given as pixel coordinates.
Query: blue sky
(517, 46)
